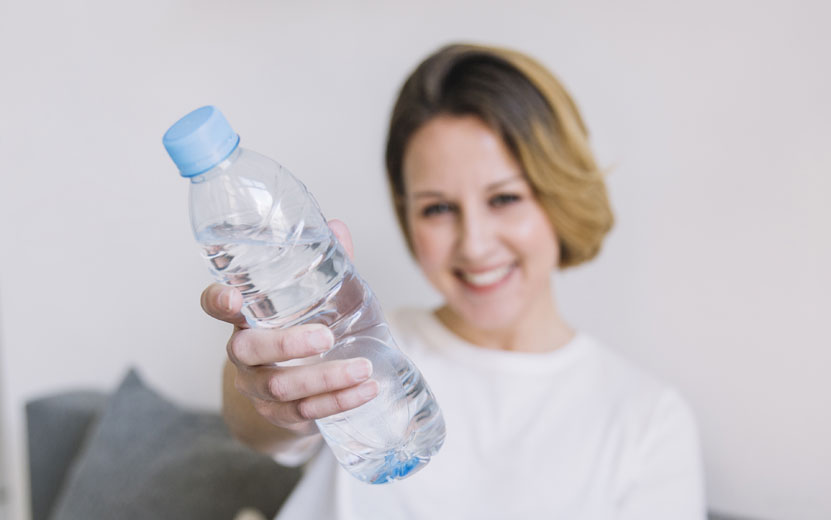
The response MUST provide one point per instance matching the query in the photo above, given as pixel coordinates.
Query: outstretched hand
(288, 396)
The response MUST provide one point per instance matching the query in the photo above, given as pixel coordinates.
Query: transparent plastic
(262, 232)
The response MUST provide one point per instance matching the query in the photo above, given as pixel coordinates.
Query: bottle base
(394, 466)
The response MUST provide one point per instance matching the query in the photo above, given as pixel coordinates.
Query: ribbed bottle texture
(263, 233)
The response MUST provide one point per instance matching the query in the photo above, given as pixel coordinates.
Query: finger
(255, 347)
(343, 235)
(285, 416)
(296, 415)
(320, 406)
(285, 384)
(223, 303)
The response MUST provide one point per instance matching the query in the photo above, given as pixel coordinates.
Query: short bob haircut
(538, 121)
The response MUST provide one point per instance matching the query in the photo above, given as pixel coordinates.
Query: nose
(475, 237)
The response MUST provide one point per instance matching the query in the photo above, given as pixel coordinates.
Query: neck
(542, 329)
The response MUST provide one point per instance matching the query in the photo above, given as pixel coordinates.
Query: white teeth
(486, 278)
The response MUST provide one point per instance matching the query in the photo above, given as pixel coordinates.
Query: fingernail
(359, 369)
(224, 300)
(368, 390)
(320, 339)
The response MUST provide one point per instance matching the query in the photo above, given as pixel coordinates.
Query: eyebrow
(490, 187)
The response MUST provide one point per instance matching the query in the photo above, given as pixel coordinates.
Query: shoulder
(656, 430)
(654, 420)
(406, 319)
(638, 396)
(660, 465)
(412, 327)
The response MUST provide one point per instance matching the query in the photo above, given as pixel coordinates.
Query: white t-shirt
(575, 434)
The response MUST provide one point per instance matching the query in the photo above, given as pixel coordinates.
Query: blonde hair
(538, 121)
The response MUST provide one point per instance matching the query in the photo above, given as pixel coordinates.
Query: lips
(483, 279)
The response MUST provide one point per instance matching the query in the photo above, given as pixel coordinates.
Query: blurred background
(712, 118)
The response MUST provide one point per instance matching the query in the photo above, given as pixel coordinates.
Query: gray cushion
(57, 426)
(147, 458)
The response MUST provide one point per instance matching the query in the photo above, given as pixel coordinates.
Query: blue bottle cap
(200, 140)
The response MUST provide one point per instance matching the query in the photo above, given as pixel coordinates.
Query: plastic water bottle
(262, 232)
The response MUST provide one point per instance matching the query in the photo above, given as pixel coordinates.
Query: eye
(503, 199)
(438, 208)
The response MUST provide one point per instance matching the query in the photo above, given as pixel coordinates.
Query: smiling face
(477, 230)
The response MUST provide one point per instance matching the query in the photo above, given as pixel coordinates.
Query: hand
(290, 397)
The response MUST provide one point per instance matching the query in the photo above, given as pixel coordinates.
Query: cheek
(534, 234)
(429, 246)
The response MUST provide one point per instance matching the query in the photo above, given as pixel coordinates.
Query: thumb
(343, 235)
(223, 303)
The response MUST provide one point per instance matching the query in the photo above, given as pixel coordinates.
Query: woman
(494, 186)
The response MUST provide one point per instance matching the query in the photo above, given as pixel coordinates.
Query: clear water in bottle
(396, 433)
(262, 232)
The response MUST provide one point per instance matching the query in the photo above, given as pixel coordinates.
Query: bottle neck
(220, 168)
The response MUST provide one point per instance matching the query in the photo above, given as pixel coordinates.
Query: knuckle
(329, 380)
(236, 345)
(262, 407)
(245, 384)
(342, 401)
(289, 342)
(303, 387)
(306, 410)
(278, 388)
(271, 412)
(239, 385)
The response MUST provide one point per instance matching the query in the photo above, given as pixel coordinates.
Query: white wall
(714, 117)
(4, 464)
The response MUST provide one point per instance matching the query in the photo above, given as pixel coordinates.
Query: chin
(491, 317)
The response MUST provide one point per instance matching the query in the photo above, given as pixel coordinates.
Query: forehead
(456, 152)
